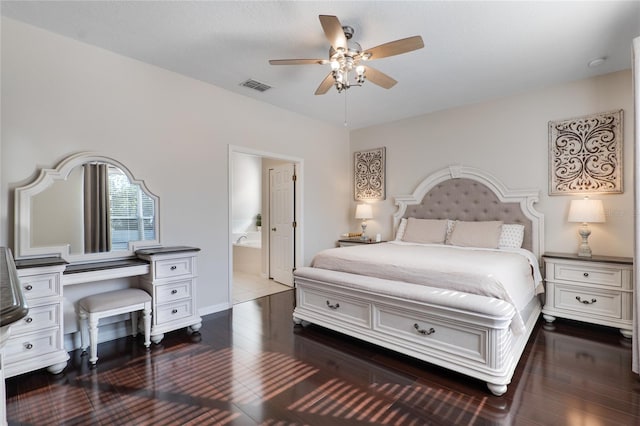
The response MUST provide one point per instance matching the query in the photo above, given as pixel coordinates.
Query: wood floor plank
(252, 366)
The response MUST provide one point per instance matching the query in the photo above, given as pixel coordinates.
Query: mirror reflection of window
(131, 211)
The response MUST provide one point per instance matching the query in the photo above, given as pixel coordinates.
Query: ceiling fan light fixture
(345, 56)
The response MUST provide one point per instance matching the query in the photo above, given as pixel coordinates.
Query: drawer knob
(586, 274)
(28, 346)
(174, 311)
(174, 291)
(28, 287)
(334, 307)
(173, 268)
(28, 320)
(586, 302)
(423, 331)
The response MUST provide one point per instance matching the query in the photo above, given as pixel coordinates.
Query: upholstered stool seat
(102, 305)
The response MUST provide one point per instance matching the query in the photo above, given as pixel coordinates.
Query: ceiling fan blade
(395, 47)
(379, 78)
(334, 32)
(298, 61)
(325, 85)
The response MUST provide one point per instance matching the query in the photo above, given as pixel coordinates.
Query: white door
(281, 223)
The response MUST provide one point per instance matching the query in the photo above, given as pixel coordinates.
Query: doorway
(264, 239)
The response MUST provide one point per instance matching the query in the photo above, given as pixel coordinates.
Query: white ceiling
(474, 50)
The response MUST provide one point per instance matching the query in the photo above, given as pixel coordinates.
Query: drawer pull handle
(28, 320)
(586, 302)
(423, 331)
(173, 268)
(28, 287)
(174, 291)
(586, 274)
(334, 307)
(28, 346)
(174, 311)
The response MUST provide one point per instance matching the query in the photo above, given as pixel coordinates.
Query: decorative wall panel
(585, 154)
(369, 174)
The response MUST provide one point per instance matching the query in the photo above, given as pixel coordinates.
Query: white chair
(102, 305)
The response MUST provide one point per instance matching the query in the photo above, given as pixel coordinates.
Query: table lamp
(364, 212)
(586, 211)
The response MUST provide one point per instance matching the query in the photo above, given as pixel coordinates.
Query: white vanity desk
(86, 226)
(168, 274)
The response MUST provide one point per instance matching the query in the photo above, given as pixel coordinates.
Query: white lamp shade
(364, 211)
(586, 211)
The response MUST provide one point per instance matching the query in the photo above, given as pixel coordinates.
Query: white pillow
(484, 234)
(425, 231)
(511, 236)
(401, 228)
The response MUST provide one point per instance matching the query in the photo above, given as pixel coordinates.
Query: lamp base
(364, 229)
(584, 250)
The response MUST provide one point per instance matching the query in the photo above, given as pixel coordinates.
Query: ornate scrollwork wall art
(369, 174)
(585, 154)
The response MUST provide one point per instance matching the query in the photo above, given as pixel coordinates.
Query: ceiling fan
(347, 58)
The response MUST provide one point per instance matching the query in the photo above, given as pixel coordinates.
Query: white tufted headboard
(465, 193)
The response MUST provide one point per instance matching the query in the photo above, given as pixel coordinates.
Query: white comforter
(511, 275)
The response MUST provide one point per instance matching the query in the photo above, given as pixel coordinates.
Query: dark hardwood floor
(251, 365)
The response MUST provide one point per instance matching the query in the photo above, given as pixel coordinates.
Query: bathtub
(253, 239)
(247, 253)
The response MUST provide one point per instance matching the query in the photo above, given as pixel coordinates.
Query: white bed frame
(469, 334)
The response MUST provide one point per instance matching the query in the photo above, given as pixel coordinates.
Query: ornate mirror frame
(46, 178)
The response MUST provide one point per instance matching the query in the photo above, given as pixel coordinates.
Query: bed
(448, 302)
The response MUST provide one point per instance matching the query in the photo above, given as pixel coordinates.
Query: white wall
(246, 192)
(60, 96)
(509, 138)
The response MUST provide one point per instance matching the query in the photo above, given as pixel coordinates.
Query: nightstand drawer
(590, 302)
(585, 274)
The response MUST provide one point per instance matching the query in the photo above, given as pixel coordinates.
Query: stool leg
(147, 324)
(134, 323)
(93, 338)
(83, 330)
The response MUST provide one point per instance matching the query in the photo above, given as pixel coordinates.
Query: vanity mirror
(88, 208)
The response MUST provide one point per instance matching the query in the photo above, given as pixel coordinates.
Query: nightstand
(346, 242)
(597, 290)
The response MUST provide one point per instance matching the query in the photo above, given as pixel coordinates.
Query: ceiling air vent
(255, 85)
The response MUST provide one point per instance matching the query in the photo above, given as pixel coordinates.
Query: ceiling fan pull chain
(345, 109)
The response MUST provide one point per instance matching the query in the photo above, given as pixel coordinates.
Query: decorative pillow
(476, 234)
(511, 236)
(425, 231)
(401, 228)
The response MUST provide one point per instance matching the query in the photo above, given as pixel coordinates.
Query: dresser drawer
(586, 274)
(24, 346)
(36, 287)
(173, 311)
(169, 268)
(344, 308)
(174, 291)
(428, 333)
(587, 301)
(38, 318)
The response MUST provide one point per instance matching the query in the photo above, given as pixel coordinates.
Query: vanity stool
(102, 305)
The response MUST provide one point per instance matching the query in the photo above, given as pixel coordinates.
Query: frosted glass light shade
(364, 211)
(586, 211)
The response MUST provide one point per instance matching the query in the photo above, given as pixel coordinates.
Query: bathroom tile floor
(248, 286)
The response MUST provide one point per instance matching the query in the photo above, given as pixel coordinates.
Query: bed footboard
(466, 333)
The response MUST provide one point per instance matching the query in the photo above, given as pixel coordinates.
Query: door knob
(273, 229)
